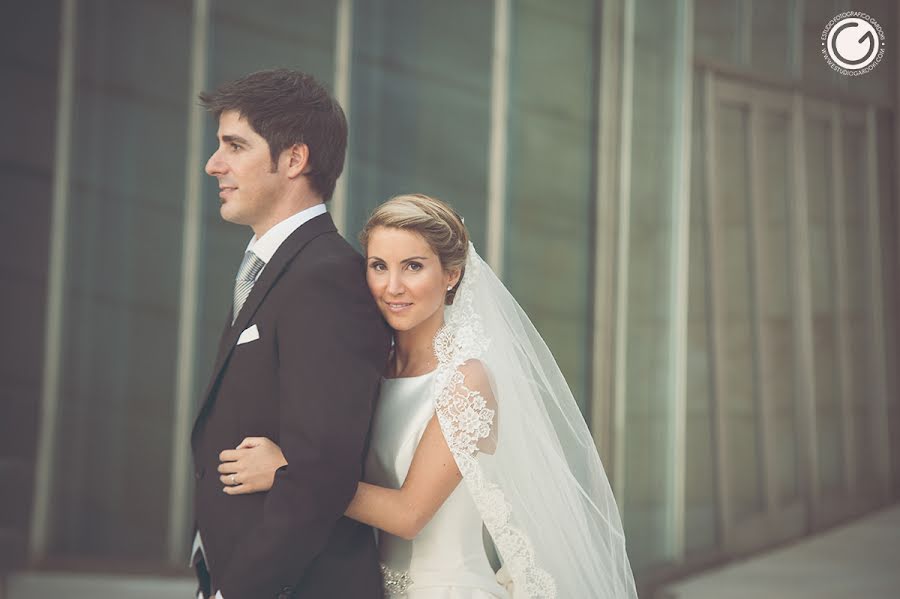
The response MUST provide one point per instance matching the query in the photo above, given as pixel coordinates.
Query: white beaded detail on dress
(396, 582)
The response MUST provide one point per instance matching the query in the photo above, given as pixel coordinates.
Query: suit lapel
(270, 274)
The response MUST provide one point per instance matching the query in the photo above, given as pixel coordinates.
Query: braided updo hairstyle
(435, 221)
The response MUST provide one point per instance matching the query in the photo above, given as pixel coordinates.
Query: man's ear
(298, 160)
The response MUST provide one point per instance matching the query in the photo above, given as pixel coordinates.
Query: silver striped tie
(243, 283)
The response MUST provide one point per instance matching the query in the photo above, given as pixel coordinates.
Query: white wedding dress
(447, 560)
(538, 484)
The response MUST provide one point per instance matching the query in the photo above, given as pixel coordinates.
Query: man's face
(248, 189)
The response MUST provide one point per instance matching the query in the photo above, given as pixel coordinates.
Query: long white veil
(540, 489)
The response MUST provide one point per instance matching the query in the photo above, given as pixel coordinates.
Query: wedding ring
(233, 481)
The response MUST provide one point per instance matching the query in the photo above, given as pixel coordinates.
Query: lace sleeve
(560, 538)
(467, 409)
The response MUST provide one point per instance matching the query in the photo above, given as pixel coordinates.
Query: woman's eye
(378, 266)
(414, 266)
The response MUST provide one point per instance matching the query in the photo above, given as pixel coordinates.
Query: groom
(300, 358)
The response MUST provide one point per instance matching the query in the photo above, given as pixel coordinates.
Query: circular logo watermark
(853, 43)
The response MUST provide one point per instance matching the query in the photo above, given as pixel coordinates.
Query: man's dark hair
(287, 107)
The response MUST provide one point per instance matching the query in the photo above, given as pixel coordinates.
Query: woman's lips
(397, 306)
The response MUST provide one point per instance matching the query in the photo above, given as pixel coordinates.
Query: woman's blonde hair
(437, 223)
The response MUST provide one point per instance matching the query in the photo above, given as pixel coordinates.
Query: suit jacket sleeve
(332, 346)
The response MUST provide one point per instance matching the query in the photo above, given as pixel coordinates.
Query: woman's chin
(398, 323)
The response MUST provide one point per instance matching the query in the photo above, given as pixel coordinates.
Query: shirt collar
(266, 246)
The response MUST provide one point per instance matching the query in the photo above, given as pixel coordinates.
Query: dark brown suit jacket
(309, 383)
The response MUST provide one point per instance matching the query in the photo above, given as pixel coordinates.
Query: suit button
(198, 474)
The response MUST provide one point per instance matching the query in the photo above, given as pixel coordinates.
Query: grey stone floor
(39, 585)
(859, 560)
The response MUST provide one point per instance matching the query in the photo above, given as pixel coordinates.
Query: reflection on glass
(881, 82)
(859, 341)
(738, 361)
(820, 165)
(700, 483)
(648, 405)
(550, 208)
(420, 106)
(716, 27)
(775, 278)
(770, 35)
(889, 217)
(816, 16)
(121, 296)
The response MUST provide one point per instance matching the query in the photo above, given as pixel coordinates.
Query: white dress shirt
(264, 248)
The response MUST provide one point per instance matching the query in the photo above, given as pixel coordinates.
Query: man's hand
(251, 467)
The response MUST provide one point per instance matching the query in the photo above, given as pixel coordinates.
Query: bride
(478, 449)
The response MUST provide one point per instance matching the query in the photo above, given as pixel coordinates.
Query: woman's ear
(454, 277)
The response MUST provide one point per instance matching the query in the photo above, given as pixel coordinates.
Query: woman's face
(406, 278)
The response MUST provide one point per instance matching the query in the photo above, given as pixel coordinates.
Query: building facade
(698, 213)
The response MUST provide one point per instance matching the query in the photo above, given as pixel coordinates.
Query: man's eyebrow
(235, 139)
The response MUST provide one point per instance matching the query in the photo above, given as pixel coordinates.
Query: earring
(450, 288)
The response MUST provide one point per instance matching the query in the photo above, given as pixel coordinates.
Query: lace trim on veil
(465, 419)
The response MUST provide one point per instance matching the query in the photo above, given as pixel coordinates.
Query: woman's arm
(403, 512)
(432, 477)
(433, 474)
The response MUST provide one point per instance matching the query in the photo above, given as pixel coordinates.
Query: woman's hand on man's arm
(250, 468)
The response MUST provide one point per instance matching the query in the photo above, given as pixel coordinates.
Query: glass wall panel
(889, 217)
(880, 84)
(420, 118)
(770, 36)
(700, 483)
(816, 16)
(244, 38)
(113, 450)
(420, 106)
(858, 298)
(716, 30)
(648, 403)
(820, 165)
(550, 193)
(738, 365)
(775, 278)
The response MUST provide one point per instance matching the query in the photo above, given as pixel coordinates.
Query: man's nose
(214, 166)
